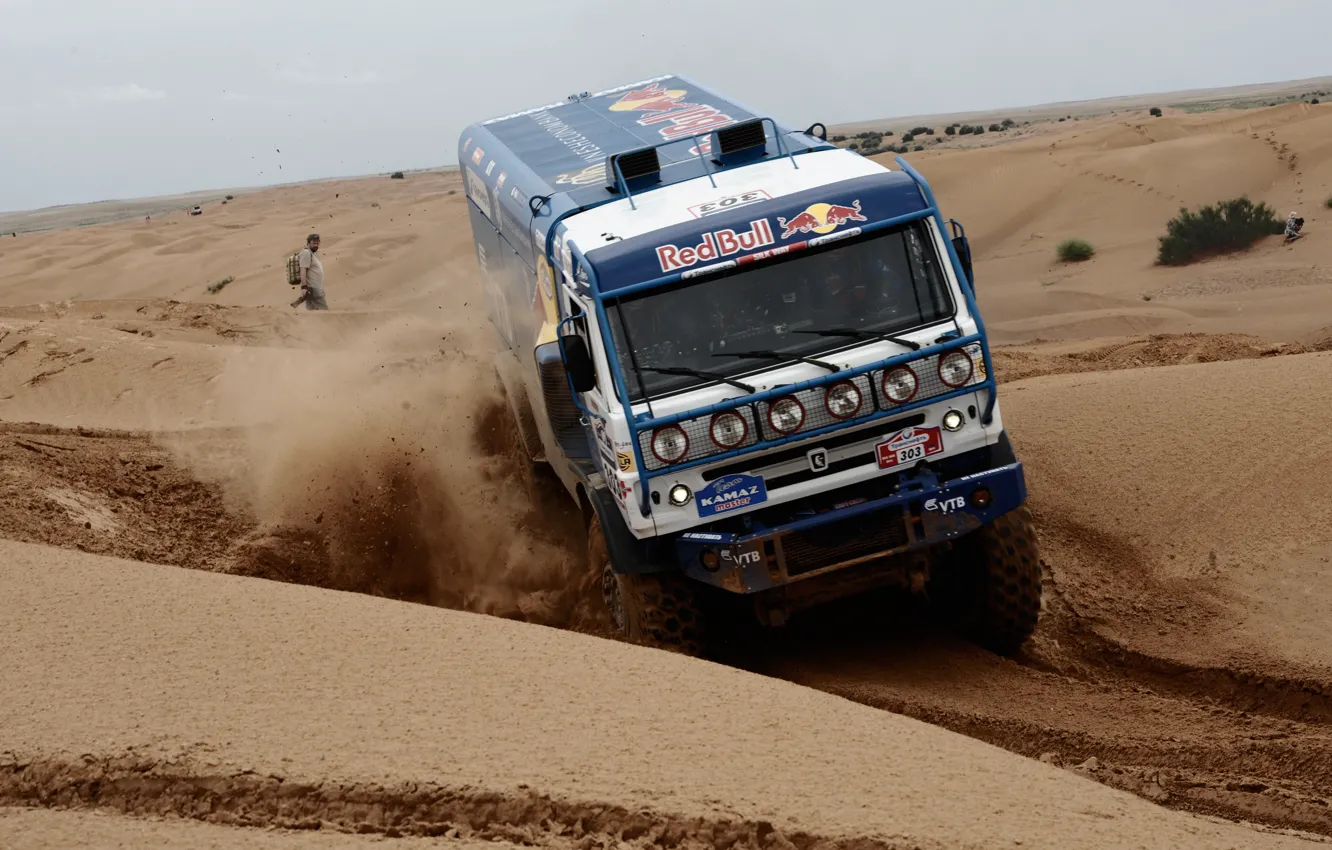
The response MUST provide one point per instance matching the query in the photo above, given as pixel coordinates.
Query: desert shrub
(397, 175)
(950, 130)
(1315, 100)
(1156, 111)
(907, 137)
(888, 134)
(839, 138)
(1222, 228)
(218, 286)
(1075, 250)
(980, 131)
(919, 148)
(869, 151)
(967, 130)
(1062, 120)
(995, 128)
(1329, 203)
(230, 198)
(1009, 122)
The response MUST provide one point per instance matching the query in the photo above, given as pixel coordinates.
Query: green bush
(967, 130)
(1223, 228)
(919, 147)
(838, 139)
(1075, 250)
(1329, 203)
(907, 137)
(397, 175)
(979, 131)
(1009, 122)
(950, 130)
(1156, 111)
(218, 286)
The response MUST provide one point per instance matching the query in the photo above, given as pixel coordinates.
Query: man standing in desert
(312, 277)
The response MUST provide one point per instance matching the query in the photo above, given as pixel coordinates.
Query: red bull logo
(661, 105)
(820, 218)
(653, 98)
(715, 245)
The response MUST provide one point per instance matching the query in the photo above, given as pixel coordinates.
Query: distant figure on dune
(1293, 226)
(312, 277)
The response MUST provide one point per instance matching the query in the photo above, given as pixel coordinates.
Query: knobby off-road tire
(652, 609)
(993, 588)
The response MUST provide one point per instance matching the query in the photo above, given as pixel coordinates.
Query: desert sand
(178, 464)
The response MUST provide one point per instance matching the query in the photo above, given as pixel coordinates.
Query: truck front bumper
(924, 512)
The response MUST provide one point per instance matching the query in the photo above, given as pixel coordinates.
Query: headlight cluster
(815, 408)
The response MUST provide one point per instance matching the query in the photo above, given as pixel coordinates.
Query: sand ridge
(299, 692)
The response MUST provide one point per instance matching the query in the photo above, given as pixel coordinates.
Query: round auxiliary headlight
(843, 400)
(953, 421)
(955, 369)
(670, 444)
(729, 429)
(900, 384)
(679, 495)
(786, 415)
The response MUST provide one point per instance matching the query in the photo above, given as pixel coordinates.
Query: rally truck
(754, 360)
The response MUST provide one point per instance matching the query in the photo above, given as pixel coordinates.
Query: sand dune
(278, 704)
(146, 419)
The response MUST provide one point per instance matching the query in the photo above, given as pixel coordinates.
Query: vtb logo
(820, 218)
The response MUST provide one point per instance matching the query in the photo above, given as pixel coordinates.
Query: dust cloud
(385, 462)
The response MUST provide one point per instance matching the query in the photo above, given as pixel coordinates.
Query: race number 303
(730, 202)
(908, 446)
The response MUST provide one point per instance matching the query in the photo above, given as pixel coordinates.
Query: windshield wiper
(768, 354)
(858, 334)
(697, 373)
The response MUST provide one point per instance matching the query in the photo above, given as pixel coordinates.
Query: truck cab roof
(558, 153)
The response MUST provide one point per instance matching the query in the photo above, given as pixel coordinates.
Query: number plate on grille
(908, 446)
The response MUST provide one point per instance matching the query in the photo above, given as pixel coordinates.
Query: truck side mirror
(578, 363)
(964, 255)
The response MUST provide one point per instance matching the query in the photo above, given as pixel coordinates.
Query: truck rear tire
(993, 585)
(654, 609)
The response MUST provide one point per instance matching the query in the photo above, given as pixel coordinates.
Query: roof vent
(741, 142)
(639, 168)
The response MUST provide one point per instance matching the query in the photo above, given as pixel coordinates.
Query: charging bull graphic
(820, 219)
(654, 98)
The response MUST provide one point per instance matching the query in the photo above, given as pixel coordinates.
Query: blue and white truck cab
(752, 357)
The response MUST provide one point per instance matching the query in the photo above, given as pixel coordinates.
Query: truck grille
(843, 540)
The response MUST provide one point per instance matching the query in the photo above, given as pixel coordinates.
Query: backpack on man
(294, 269)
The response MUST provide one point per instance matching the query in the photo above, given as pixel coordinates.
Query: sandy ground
(274, 704)
(1179, 675)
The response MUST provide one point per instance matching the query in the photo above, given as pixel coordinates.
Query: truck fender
(628, 554)
(1001, 453)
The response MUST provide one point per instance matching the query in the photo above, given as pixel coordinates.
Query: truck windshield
(887, 282)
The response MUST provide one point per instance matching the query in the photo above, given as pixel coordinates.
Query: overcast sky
(127, 98)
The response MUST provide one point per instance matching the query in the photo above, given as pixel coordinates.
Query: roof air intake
(740, 142)
(639, 168)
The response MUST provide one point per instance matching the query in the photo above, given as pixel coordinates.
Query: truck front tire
(993, 585)
(653, 609)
